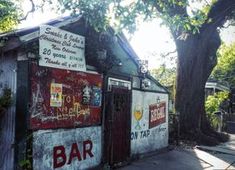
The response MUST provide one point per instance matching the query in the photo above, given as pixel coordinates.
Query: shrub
(5, 100)
(212, 105)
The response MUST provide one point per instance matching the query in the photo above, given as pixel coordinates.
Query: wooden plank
(121, 126)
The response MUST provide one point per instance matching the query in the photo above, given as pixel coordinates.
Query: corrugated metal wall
(7, 133)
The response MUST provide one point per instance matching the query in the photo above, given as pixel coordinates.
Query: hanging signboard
(61, 49)
(61, 98)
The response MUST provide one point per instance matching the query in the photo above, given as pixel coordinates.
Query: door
(117, 126)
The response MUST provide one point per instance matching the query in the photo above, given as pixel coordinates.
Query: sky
(149, 41)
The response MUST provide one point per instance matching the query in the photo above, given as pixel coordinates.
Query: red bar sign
(157, 114)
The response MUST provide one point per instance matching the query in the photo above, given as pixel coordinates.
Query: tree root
(209, 138)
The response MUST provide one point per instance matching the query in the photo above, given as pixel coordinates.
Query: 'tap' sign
(67, 149)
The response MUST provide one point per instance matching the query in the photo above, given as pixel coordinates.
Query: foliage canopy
(178, 15)
(9, 15)
(5, 100)
(225, 69)
(166, 76)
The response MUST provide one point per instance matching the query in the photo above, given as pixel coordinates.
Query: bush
(5, 100)
(212, 105)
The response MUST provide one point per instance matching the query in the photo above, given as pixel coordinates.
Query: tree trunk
(196, 59)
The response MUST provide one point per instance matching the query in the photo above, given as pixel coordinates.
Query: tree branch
(172, 10)
(30, 11)
(207, 2)
(230, 24)
(167, 54)
(219, 14)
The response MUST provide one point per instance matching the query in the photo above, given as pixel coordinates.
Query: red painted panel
(157, 114)
(81, 98)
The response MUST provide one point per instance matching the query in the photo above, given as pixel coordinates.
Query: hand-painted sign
(157, 114)
(138, 114)
(61, 49)
(149, 129)
(56, 95)
(67, 149)
(47, 111)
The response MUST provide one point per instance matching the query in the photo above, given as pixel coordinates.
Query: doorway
(117, 126)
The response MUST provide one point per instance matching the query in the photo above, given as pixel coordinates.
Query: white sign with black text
(61, 49)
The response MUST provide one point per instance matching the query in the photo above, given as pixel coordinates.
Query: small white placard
(61, 49)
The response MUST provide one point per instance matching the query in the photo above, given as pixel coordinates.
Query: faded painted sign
(67, 149)
(149, 129)
(157, 114)
(81, 98)
(138, 115)
(56, 95)
(61, 49)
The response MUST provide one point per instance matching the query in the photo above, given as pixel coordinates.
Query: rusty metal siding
(7, 134)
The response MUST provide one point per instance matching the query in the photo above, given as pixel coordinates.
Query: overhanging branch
(219, 14)
(172, 10)
(168, 53)
(228, 25)
(30, 11)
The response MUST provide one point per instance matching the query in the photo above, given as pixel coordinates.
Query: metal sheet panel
(80, 100)
(67, 149)
(149, 125)
(7, 125)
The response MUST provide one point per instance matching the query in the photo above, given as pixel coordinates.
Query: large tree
(195, 32)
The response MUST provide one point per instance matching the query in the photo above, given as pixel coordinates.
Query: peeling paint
(77, 107)
(147, 137)
(72, 149)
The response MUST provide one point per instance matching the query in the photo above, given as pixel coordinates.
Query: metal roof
(28, 34)
(27, 30)
(217, 85)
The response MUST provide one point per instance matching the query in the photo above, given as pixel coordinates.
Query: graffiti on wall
(157, 114)
(68, 149)
(61, 98)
